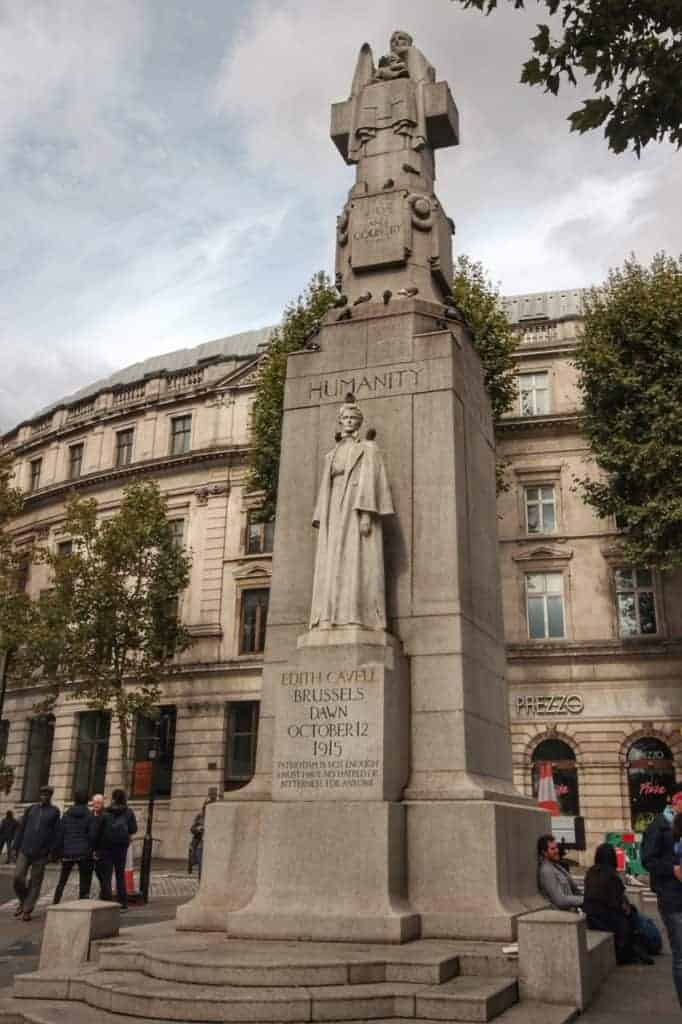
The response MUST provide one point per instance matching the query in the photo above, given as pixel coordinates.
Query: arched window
(651, 775)
(564, 773)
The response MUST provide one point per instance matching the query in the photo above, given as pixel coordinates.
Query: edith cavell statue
(354, 495)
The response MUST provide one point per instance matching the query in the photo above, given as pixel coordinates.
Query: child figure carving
(349, 585)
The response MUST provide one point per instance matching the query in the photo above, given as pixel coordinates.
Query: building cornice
(232, 455)
(557, 424)
(563, 650)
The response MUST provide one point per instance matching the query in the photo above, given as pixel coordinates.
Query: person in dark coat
(35, 842)
(118, 826)
(665, 876)
(8, 830)
(77, 835)
(607, 909)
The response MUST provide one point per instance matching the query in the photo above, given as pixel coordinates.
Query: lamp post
(148, 841)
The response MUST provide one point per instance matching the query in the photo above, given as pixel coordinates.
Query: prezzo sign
(559, 705)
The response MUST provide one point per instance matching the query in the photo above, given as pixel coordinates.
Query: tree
(630, 366)
(12, 598)
(299, 319)
(632, 51)
(491, 330)
(107, 629)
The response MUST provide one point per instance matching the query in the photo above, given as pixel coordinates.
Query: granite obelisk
(382, 806)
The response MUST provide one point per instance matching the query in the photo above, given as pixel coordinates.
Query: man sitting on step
(554, 882)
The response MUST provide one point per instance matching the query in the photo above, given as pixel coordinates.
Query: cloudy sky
(167, 176)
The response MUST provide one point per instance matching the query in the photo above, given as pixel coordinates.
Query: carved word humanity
(559, 704)
(327, 722)
(405, 379)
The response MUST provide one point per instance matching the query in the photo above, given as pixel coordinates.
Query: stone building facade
(594, 648)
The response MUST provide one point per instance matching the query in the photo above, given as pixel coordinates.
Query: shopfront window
(564, 773)
(651, 776)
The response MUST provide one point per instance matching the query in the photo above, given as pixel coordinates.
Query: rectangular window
(4, 738)
(64, 548)
(38, 757)
(635, 602)
(178, 530)
(35, 466)
(154, 736)
(252, 621)
(181, 429)
(91, 752)
(124, 447)
(533, 394)
(241, 741)
(540, 509)
(259, 535)
(75, 461)
(545, 605)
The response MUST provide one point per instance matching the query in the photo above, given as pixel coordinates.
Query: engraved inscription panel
(329, 735)
(378, 382)
(378, 227)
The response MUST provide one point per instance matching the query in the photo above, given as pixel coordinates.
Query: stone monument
(382, 807)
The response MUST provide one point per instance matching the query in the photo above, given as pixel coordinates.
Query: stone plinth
(310, 870)
(71, 927)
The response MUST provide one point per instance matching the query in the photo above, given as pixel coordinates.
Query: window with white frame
(545, 605)
(75, 460)
(124, 446)
(259, 534)
(178, 530)
(533, 393)
(635, 602)
(540, 509)
(35, 467)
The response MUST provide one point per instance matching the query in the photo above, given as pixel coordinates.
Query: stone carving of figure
(349, 586)
(374, 102)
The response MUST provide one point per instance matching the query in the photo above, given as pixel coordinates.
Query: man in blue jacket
(35, 843)
(78, 833)
(666, 878)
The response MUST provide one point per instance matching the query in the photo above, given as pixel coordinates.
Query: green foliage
(299, 318)
(630, 365)
(632, 51)
(13, 601)
(107, 628)
(480, 303)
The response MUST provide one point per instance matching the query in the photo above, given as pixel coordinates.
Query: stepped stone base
(208, 978)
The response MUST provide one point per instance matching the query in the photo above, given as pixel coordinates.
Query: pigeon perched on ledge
(387, 296)
(345, 314)
(340, 302)
(365, 297)
(408, 293)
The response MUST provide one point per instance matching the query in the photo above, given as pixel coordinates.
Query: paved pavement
(636, 994)
(20, 940)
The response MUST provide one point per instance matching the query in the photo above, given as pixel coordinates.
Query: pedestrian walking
(196, 846)
(8, 831)
(77, 835)
(35, 842)
(118, 826)
(665, 874)
(97, 811)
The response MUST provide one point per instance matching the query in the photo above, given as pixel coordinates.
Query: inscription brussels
(326, 718)
(378, 221)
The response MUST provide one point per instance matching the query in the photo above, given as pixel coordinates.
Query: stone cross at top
(396, 116)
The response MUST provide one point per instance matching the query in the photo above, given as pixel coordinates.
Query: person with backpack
(77, 836)
(665, 874)
(118, 826)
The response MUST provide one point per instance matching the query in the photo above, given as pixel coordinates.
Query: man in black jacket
(118, 827)
(78, 832)
(35, 842)
(666, 878)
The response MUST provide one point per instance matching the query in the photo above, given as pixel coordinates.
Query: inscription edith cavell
(330, 734)
(377, 231)
(368, 384)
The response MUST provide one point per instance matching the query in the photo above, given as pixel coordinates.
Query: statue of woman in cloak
(349, 585)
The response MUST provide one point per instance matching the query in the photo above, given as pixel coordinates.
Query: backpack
(117, 833)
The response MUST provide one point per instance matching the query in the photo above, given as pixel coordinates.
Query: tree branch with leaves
(632, 52)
